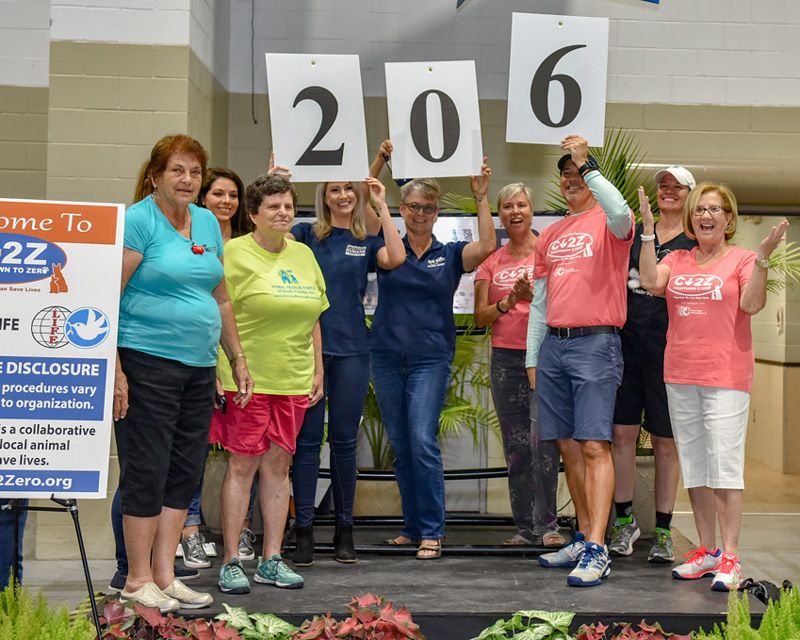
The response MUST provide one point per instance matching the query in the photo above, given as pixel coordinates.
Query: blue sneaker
(567, 556)
(232, 578)
(593, 568)
(276, 571)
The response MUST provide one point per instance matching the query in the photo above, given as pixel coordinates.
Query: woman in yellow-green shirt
(278, 294)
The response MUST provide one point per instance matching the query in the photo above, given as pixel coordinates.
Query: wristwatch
(590, 165)
(762, 262)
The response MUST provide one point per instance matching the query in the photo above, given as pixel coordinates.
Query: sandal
(401, 540)
(429, 550)
(553, 539)
(518, 540)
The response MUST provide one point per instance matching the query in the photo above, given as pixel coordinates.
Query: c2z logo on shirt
(696, 286)
(571, 245)
(507, 277)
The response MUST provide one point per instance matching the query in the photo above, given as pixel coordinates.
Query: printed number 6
(540, 87)
(330, 109)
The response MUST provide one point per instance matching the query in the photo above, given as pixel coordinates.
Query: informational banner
(557, 78)
(60, 265)
(434, 119)
(317, 116)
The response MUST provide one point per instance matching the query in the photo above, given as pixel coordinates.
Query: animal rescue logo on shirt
(697, 286)
(571, 245)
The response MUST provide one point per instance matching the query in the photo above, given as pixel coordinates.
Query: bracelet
(649, 238)
(497, 306)
(235, 357)
(478, 198)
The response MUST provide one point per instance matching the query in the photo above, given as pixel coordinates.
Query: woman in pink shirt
(502, 300)
(711, 290)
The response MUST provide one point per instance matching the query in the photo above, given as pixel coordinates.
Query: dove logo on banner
(87, 327)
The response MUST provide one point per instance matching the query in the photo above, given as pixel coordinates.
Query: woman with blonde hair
(712, 291)
(502, 300)
(346, 253)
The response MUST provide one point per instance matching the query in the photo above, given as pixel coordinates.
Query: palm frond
(451, 201)
(785, 261)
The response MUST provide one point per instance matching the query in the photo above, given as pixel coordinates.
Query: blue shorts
(576, 385)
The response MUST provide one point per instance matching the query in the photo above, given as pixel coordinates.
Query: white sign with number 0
(557, 78)
(317, 116)
(434, 118)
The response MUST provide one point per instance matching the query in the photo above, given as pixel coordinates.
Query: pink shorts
(267, 419)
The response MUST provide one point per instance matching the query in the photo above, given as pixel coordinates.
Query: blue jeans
(346, 385)
(411, 391)
(7, 541)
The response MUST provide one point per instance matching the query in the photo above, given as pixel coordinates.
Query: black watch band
(589, 165)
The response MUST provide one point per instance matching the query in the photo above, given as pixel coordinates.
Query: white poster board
(60, 265)
(434, 118)
(557, 78)
(317, 116)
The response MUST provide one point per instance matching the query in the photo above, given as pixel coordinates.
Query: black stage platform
(457, 596)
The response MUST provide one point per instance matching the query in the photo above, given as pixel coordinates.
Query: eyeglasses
(714, 210)
(416, 207)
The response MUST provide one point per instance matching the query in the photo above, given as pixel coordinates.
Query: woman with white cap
(642, 391)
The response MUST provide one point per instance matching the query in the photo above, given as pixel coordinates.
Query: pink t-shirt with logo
(709, 342)
(502, 270)
(586, 267)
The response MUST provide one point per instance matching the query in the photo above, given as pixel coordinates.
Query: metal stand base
(70, 506)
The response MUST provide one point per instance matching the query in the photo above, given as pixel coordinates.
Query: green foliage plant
(785, 261)
(256, 626)
(531, 625)
(371, 618)
(781, 620)
(24, 617)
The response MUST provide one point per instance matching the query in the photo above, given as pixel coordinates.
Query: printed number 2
(540, 87)
(330, 109)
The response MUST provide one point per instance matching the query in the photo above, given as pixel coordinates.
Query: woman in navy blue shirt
(412, 344)
(346, 253)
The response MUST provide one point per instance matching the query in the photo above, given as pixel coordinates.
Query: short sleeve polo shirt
(415, 302)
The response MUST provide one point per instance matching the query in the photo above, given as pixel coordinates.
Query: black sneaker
(185, 573)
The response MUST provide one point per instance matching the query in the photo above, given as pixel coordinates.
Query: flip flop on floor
(401, 540)
(429, 550)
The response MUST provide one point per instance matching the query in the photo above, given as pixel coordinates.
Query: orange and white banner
(60, 266)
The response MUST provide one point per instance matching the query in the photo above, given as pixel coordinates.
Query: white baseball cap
(681, 174)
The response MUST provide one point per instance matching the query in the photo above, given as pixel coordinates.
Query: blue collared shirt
(415, 302)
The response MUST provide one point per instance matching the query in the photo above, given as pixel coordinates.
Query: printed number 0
(451, 126)
(540, 87)
(330, 109)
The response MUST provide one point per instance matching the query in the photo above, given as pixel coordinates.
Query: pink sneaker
(729, 573)
(699, 563)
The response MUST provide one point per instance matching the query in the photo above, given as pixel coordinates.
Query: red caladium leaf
(115, 631)
(224, 632)
(150, 615)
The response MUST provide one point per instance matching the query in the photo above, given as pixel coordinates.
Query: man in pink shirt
(574, 358)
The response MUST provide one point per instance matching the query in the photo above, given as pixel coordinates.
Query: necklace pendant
(198, 249)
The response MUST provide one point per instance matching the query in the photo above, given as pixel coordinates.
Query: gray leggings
(532, 463)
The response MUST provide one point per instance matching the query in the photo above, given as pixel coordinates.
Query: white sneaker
(188, 598)
(210, 548)
(151, 596)
(729, 573)
(699, 563)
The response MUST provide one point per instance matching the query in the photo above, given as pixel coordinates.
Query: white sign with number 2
(434, 118)
(557, 78)
(317, 116)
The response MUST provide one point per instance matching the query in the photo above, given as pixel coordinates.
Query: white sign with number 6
(557, 78)
(317, 116)
(434, 118)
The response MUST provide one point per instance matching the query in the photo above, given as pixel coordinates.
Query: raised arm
(754, 294)
(393, 253)
(383, 154)
(619, 216)
(653, 276)
(478, 250)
